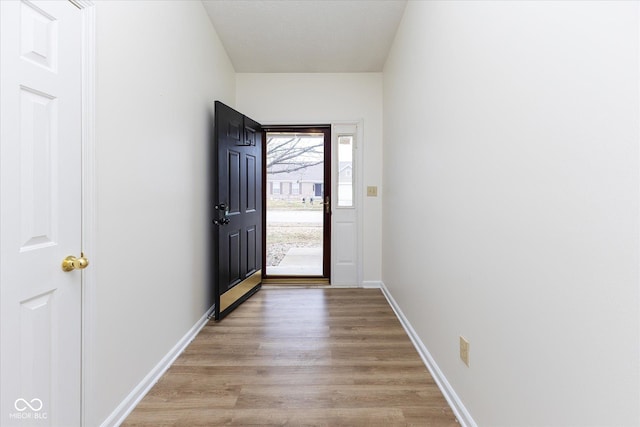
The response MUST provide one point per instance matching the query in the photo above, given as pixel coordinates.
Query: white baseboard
(343, 285)
(461, 413)
(123, 410)
(372, 284)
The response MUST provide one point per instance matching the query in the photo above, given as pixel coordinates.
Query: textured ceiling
(289, 36)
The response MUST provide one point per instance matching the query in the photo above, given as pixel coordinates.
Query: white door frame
(359, 195)
(89, 201)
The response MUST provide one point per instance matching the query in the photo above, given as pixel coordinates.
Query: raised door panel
(252, 191)
(235, 258)
(39, 34)
(234, 129)
(234, 182)
(38, 169)
(252, 254)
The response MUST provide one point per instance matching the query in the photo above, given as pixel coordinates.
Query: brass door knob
(71, 263)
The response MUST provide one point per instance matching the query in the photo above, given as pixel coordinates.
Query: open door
(237, 209)
(298, 203)
(41, 165)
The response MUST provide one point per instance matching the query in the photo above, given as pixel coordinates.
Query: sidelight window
(345, 171)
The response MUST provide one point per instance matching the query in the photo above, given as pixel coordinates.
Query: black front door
(237, 210)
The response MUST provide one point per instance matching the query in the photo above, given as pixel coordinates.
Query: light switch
(372, 191)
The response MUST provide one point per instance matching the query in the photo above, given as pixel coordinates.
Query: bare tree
(293, 154)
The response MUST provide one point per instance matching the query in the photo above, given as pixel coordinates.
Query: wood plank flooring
(299, 357)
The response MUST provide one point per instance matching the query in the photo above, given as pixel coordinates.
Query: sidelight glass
(345, 171)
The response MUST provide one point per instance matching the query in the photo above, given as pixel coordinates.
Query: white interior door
(40, 221)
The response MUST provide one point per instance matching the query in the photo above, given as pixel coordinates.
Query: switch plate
(464, 350)
(372, 191)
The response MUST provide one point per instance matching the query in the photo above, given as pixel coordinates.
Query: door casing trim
(359, 123)
(89, 203)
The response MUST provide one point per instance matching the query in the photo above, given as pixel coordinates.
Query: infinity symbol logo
(22, 405)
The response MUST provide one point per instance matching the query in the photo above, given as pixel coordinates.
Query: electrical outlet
(464, 350)
(372, 191)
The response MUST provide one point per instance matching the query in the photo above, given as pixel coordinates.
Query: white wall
(511, 154)
(323, 99)
(160, 66)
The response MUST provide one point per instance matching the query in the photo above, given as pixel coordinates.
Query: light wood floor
(299, 357)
